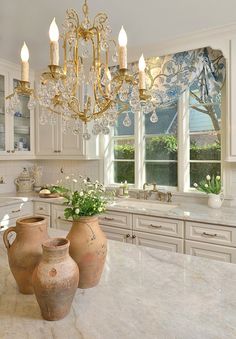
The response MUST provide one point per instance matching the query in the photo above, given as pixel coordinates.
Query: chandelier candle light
(54, 45)
(24, 63)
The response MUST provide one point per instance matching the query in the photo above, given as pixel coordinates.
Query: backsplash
(51, 171)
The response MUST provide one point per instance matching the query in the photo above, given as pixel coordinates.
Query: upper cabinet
(3, 123)
(52, 142)
(16, 130)
(231, 103)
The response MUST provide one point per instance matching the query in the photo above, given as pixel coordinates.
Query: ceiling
(146, 22)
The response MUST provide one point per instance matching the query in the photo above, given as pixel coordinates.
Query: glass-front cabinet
(2, 114)
(21, 122)
(16, 130)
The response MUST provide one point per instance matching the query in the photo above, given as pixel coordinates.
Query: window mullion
(183, 142)
(139, 145)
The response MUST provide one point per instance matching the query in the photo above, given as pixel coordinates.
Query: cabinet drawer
(159, 241)
(117, 219)
(42, 208)
(210, 251)
(162, 226)
(221, 235)
(16, 211)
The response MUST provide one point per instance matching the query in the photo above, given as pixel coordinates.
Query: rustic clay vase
(55, 279)
(25, 252)
(88, 247)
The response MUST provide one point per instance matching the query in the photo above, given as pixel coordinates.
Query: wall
(51, 171)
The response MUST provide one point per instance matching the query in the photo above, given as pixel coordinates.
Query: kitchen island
(144, 293)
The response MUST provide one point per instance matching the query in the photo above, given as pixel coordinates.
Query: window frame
(183, 154)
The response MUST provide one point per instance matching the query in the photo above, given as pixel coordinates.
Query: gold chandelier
(84, 89)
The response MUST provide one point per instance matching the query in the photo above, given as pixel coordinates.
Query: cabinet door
(210, 251)
(158, 241)
(231, 114)
(46, 135)
(119, 234)
(3, 117)
(68, 142)
(58, 220)
(22, 125)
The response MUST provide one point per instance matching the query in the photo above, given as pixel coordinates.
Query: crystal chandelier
(85, 88)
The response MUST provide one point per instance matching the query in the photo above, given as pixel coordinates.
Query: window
(124, 150)
(204, 135)
(161, 147)
(181, 148)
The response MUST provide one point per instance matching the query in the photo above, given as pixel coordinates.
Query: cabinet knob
(13, 151)
(8, 151)
(133, 236)
(127, 235)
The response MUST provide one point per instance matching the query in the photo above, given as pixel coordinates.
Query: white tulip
(81, 193)
(206, 185)
(208, 177)
(195, 185)
(77, 211)
(217, 177)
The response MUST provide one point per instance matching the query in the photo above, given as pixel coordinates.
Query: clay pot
(55, 279)
(88, 247)
(26, 250)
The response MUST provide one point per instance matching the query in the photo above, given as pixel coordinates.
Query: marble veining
(144, 293)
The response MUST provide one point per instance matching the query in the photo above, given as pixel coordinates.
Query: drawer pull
(41, 208)
(127, 235)
(16, 211)
(155, 226)
(209, 234)
(133, 236)
(109, 219)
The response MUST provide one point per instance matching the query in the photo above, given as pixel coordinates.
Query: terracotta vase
(88, 247)
(25, 252)
(55, 279)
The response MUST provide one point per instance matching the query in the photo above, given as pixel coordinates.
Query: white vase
(215, 200)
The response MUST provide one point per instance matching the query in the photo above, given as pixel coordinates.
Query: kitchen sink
(145, 205)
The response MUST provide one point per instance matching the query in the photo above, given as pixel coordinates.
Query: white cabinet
(210, 251)
(10, 213)
(161, 233)
(157, 225)
(50, 139)
(158, 241)
(43, 209)
(16, 130)
(231, 111)
(118, 234)
(58, 219)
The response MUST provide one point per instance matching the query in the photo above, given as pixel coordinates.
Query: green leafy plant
(209, 185)
(88, 199)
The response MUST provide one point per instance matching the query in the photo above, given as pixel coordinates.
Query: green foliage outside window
(165, 148)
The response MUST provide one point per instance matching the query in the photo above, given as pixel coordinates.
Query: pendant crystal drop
(148, 108)
(115, 57)
(31, 103)
(43, 119)
(127, 122)
(154, 117)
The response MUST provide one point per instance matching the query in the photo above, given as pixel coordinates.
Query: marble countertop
(182, 211)
(144, 293)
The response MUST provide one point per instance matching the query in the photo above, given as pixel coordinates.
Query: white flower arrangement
(88, 199)
(210, 185)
